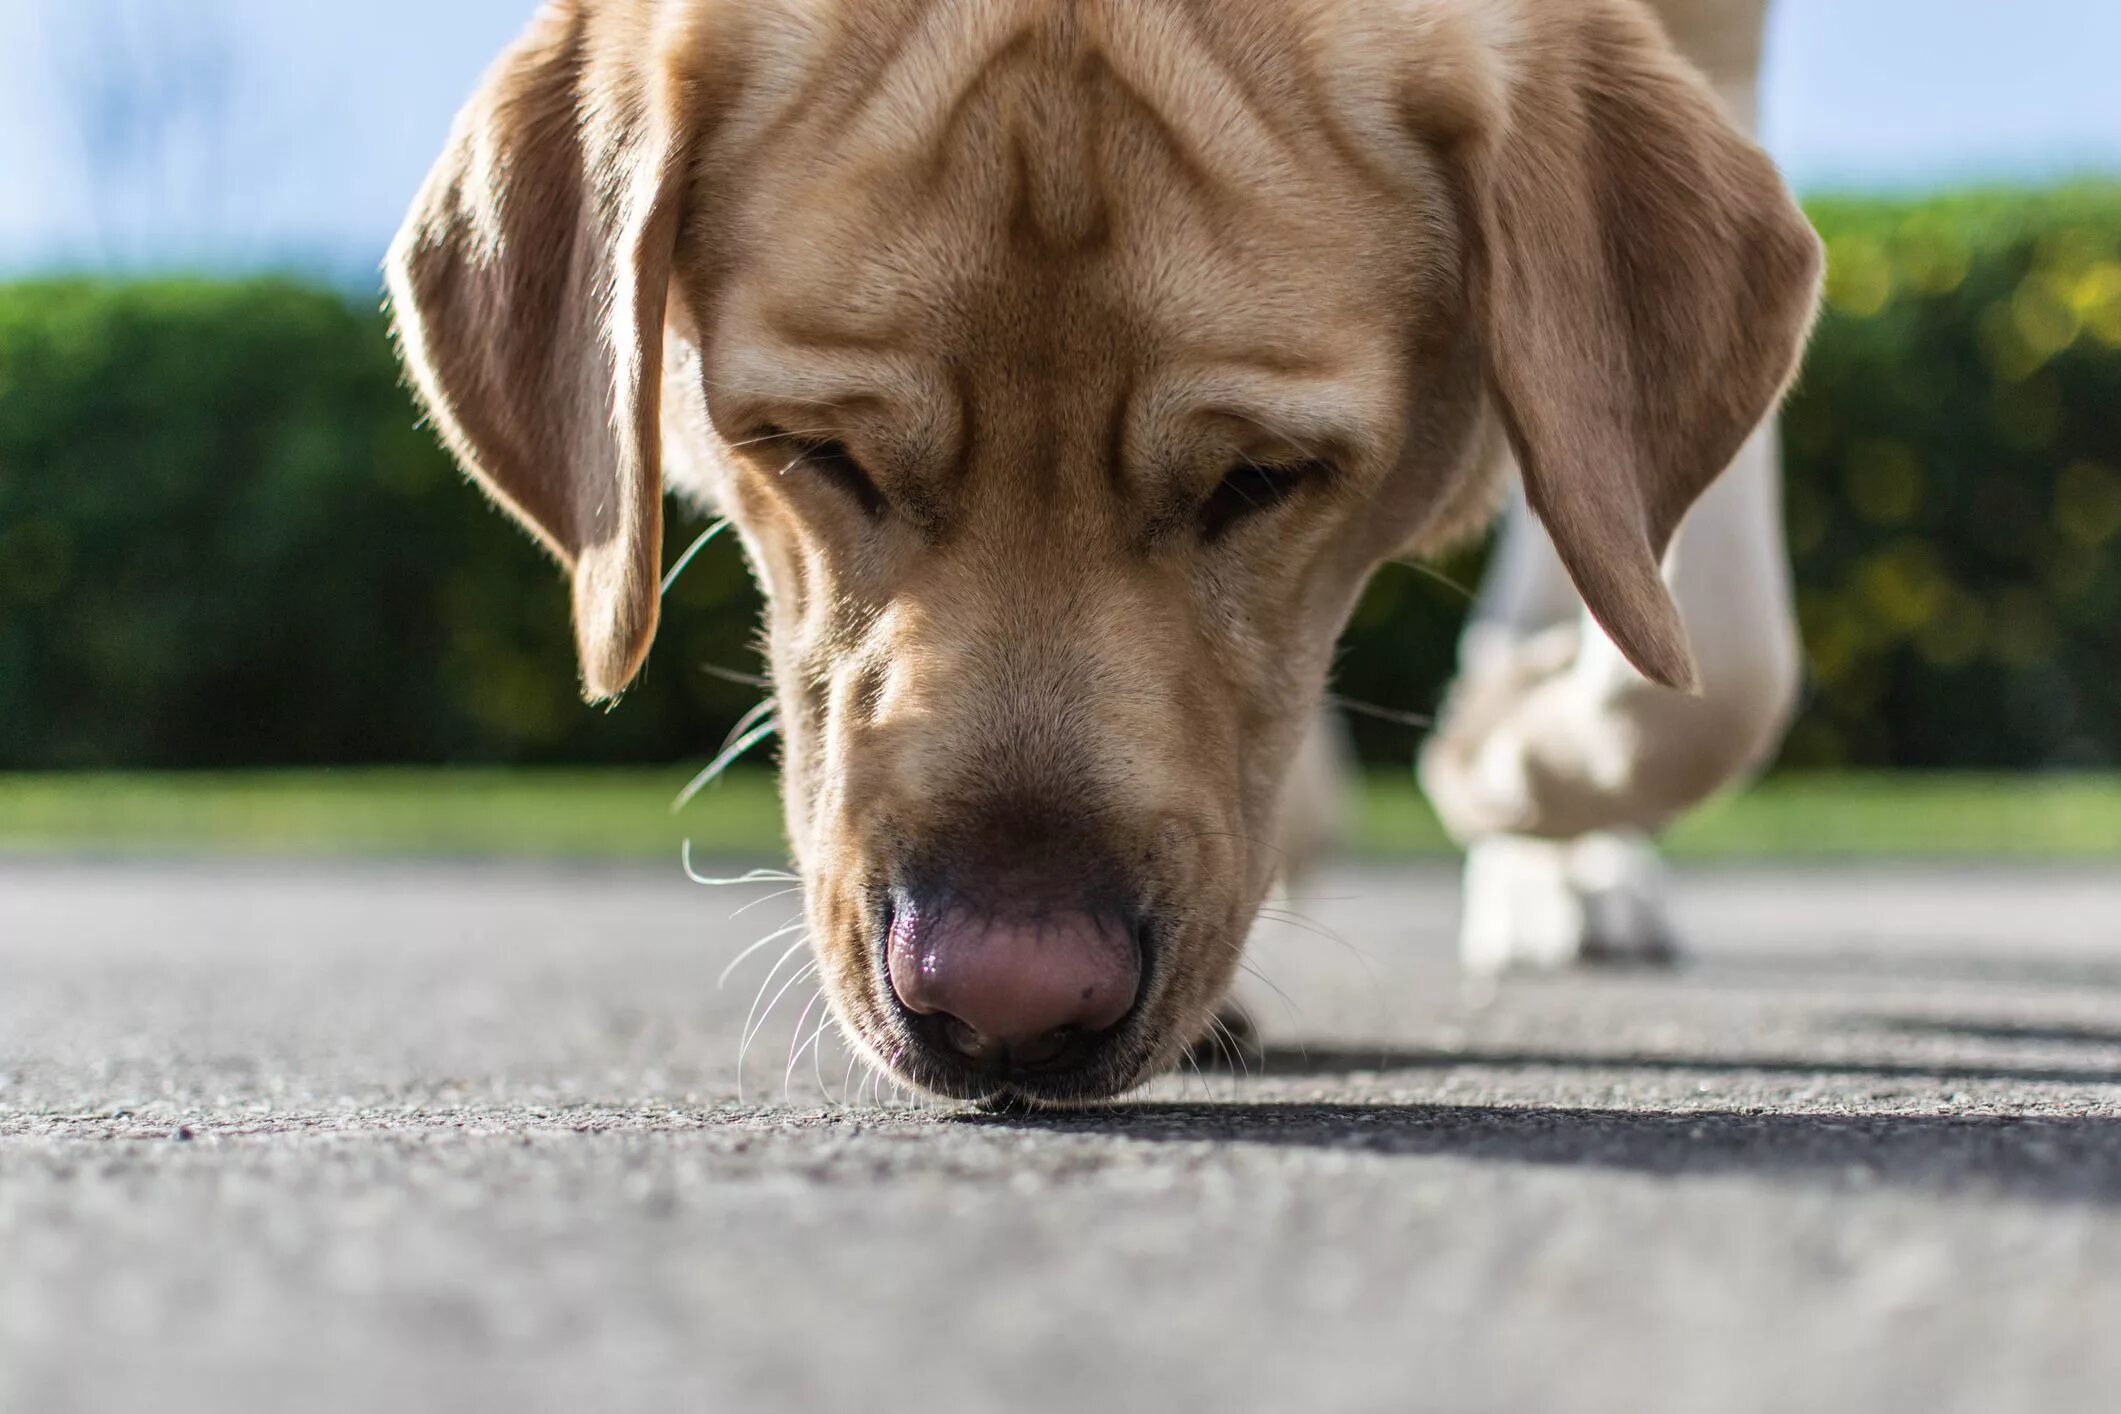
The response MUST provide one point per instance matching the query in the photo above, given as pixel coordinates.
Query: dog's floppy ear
(528, 286)
(1643, 283)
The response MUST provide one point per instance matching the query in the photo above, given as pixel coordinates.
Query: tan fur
(1049, 268)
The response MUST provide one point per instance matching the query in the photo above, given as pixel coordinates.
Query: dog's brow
(824, 366)
(1313, 407)
(803, 329)
(1274, 362)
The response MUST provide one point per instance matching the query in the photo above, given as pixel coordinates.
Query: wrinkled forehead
(1070, 186)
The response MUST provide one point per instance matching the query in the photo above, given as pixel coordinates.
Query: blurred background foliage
(224, 541)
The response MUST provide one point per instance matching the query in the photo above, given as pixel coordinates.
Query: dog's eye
(1250, 489)
(833, 462)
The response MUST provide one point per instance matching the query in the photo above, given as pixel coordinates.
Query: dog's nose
(1014, 992)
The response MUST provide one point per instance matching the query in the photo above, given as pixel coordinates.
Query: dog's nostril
(1021, 1051)
(964, 1040)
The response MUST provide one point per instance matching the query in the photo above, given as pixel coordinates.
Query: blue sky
(308, 148)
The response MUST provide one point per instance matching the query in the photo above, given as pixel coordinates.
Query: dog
(1553, 762)
(1067, 367)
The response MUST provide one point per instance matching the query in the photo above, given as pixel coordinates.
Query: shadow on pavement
(1289, 1062)
(2060, 1159)
(1810, 967)
(2038, 1034)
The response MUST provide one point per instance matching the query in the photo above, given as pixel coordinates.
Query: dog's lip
(1021, 1092)
(1129, 1045)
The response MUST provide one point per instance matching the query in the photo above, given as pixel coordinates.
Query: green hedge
(1955, 484)
(223, 541)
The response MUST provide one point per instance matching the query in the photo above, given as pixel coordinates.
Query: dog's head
(1067, 367)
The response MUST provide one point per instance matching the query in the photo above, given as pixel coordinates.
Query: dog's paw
(1542, 905)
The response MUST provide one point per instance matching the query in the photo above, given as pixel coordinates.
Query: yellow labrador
(1067, 367)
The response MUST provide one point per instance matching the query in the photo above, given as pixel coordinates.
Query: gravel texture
(471, 1137)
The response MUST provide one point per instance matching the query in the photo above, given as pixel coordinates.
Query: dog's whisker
(1289, 918)
(1393, 715)
(1198, 1074)
(1235, 485)
(752, 1015)
(765, 898)
(1237, 1044)
(817, 1053)
(756, 876)
(778, 435)
(848, 1079)
(1233, 1053)
(707, 537)
(1303, 1050)
(795, 1040)
(797, 978)
(1295, 1012)
(1242, 416)
(1215, 1037)
(782, 961)
(764, 708)
(1429, 571)
(1281, 911)
(732, 675)
(800, 458)
(738, 961)
(729, 757)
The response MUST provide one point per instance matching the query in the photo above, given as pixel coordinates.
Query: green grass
(1851, 816)
(626, 814)
(1944, 816)
(609, 814)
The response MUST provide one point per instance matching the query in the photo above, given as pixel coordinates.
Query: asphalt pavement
(463, 1137)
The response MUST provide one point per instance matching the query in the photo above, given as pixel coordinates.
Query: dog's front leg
(1556, 763)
